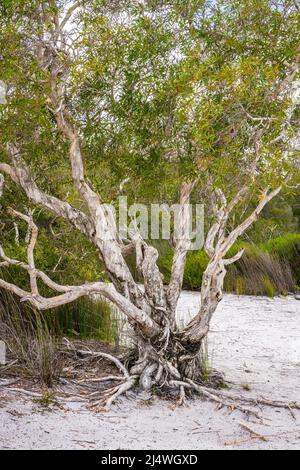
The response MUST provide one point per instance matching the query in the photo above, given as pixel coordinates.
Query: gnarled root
(152, 371)
(110, 395)
(232, 401)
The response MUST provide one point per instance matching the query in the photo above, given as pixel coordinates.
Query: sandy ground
(255, 341)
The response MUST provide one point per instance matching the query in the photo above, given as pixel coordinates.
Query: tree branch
(68, 14)
(182, 245)
(21, 175)
(30, 250)
(240, 229)
(68, 293)
(71, 293)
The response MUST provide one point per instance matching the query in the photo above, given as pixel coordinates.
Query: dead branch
(109, 357)
(182, 245)
(68, 293)
(21, 175)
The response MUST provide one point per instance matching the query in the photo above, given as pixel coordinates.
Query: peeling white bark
(182, 245)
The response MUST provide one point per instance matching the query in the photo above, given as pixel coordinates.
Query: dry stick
(114, 392)
(266, 437)
(8, 366)
(102, 379)
(252, 432)
(292, 413)
(251, 401)
(207, 394)
(258, 401)
(214, 397)
(106, 356)
(8, 383)
(39, 395)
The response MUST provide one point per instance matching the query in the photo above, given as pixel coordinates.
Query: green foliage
(30, 340)
(47, 401)
(287, 248)
(161, 92)
(195, 266)
(174, 83)
(270, 268)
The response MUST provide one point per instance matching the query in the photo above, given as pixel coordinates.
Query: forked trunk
(174, 354)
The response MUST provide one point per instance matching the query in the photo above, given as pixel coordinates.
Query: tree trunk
(175, 354)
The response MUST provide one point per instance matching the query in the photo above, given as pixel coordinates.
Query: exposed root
(181, 400)
(108, 378)
(213, 397)
(156, 371)
(258, 401)
(109, 357)
(146, 379)
(148, 373)
(71, 399)
(105, 403)
(233, 401)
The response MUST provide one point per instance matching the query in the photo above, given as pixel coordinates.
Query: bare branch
(238, 231)
(292, 70)
(221, 214)
(68, 14)
(238, 198)
(21, 175)
(69, 293)
(9, 170)
(234, 258)
(109, 357)
(30, 249)
(1, 184)
(182, 245)
(209, 246)
(146, 258)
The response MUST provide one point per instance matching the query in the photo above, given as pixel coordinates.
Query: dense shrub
(259, 273)
(287, 248)
(31, 344)
(270, 268)
(32, 337)
(85, 318)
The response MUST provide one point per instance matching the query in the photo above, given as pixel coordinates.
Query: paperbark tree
(205, 123)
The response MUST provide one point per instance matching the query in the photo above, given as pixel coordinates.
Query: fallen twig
(102, 379)
(107, 356)
(8, 366)
(253, 433)
(40, 395)
(258, 436)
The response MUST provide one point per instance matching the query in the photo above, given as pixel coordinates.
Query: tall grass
(29, 340)
(85, 318)
(32, 338)
(269, 269)
(259, 273)
(287, 249)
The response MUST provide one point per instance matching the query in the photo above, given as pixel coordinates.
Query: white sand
(255, 341)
